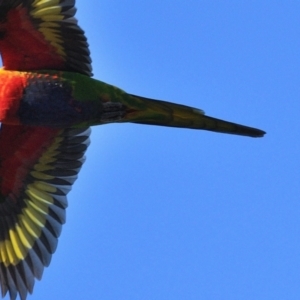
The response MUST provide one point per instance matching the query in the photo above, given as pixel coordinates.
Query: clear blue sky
(160, 213)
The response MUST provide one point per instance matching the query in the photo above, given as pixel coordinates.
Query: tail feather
(156, 112)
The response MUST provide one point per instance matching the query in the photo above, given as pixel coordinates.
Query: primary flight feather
(48, 101)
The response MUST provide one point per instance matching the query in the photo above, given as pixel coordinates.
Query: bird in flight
(48, 101)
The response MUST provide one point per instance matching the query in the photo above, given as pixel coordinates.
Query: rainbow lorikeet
(48, 100)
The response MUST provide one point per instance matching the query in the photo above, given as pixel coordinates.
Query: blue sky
(162, 213)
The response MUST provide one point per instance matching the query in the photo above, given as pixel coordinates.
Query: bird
(48, 102)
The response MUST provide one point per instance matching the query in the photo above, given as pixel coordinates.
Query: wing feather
(39, 34)
(37, 171)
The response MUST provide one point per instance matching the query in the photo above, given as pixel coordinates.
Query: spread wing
(42, 34)
(37, 165)
(37, 169)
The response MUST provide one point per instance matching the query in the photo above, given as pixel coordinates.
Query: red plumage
(38, 165)
(22, 37)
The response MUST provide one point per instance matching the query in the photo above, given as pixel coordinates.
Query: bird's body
(48, 101)
(59, 99)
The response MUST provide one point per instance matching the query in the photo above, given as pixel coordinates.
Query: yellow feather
(45, 3)
(31, 226)
(41, 176)
(34, 191)
(51, 18)
(38, 205)
(11, 255)
(46, 11)
(49, 25)
(3, 254)
(40, 185)
(36, 217)
(26, 239)
(42, 167)
(17, 245)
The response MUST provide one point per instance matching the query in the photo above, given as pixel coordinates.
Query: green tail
(155, 112)
(114, 105)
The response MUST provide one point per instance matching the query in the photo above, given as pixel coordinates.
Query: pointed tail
(156, 112)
